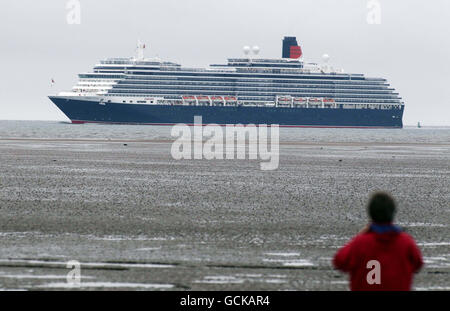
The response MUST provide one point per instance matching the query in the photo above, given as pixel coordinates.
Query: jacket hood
(385, 232)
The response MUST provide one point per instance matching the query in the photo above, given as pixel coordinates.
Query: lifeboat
(217, 98)
(230, 98)
(300, 100)
(315, 100)
(284, 98)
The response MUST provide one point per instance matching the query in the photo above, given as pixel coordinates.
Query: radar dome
(246, 49)
(325, 58)
(255, 50)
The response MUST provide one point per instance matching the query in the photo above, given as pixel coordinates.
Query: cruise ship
(287, 91)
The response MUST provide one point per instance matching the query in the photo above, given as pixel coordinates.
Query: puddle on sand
(298, 263)
(283, 254)
(44, 277)
(241, 278)
(61, 264)
(106, 285)
(148, 249)
(291, 262)
(339, 282)
(442, 261)
(434, 244)
(130, 238)
(434, 288)
(419, 224)
(288, 259)
(220, 279)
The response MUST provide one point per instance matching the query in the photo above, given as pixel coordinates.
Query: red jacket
(396, 252)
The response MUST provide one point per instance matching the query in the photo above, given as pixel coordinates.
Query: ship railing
(284, 101)
(316, 102)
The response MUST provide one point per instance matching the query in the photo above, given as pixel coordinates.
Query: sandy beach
(137, 219)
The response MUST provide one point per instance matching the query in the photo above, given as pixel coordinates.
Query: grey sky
(411, 46)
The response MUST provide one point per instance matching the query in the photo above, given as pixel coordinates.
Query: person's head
(381, 208)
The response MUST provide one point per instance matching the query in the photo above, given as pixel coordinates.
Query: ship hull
(92, 111)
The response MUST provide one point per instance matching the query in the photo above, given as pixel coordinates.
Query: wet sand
(137, 219)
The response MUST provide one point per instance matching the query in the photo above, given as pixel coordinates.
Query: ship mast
(140, 50)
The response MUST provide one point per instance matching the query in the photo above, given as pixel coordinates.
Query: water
(137, 219)
(64, 130)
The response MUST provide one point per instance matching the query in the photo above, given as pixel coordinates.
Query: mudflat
(135, 218)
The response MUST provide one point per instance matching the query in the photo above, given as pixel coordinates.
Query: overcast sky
(410, 47)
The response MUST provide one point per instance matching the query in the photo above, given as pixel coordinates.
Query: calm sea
(63, 130)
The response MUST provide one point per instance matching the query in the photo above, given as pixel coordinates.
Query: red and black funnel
(291, 49)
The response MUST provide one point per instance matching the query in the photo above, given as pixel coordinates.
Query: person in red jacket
(381, 256)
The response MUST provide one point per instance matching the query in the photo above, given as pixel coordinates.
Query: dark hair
(381, 207)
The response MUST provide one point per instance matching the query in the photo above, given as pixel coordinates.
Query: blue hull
(82, 111)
